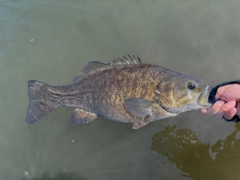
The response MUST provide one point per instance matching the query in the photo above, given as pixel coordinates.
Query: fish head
(182, 93)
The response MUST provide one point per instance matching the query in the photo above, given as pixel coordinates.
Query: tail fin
(40, 101)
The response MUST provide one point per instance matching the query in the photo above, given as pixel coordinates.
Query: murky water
(50, 41)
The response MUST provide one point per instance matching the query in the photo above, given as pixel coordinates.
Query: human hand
(228, 103)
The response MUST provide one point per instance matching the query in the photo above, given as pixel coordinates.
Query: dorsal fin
(126, 60)
(92, 66)
(89, 67)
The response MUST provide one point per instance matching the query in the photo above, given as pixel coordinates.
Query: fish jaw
(203, 98)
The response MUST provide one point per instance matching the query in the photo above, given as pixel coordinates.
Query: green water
(51, 41)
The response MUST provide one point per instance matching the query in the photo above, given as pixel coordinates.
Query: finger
(204, 111)
(227, 110)
(215, 108)
(230, 113)
(219, 114)
(228, 105)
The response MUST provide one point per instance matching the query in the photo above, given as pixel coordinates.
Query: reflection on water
(196, 159)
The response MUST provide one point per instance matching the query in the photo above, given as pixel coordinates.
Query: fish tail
(41, 102)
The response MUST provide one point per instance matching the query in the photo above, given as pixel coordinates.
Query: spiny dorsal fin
(89, 67)
(126, 60)
(92, 66)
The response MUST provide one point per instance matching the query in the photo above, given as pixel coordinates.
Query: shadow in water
(194, 158)
(60, 176)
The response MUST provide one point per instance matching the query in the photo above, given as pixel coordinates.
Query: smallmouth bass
(124, 90)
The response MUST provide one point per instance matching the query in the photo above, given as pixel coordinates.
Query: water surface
(51, 41)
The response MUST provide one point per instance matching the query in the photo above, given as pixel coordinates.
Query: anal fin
(81, 116)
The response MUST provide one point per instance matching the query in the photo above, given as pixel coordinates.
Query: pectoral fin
(138, 107)
(139, 124)
(80, 116)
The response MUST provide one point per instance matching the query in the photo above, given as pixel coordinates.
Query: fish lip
(204, 95)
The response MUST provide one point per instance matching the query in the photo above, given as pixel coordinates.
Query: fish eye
(191, 86)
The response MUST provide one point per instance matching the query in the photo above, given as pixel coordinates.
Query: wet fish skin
(123, 90)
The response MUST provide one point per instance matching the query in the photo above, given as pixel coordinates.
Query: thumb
(220, 92)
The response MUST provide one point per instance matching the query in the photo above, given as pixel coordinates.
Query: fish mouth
(203, 98)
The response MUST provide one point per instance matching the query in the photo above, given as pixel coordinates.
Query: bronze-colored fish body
(123, 90)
